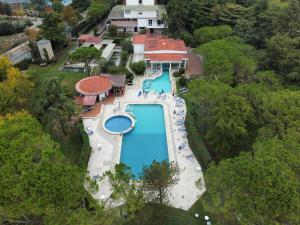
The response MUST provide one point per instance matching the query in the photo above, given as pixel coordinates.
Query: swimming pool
(118, 124)
(160, 83)
(147, 141)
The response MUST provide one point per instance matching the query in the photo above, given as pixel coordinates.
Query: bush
(210, 33)
(127, 46)
(129, 76)
(181, 71)
(7, 28)
(113, 30)
(139, 67)
(176, 74)
(124, 57)
(183, 81)
(143, 31)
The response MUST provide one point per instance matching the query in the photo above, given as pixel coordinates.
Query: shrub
(210, 33)
(129, 76)
(143, 31)
(176, 74)
(7, 28)
(183, 81)
(181, 71)
(113, 30)
(127, 46)
(139, 67)
(124, 57)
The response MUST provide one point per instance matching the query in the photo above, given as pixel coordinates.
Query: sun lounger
(179, 123)
(181, 128)
(140, 93)
(189, 156)
(179, 104)
(164, 97)
(182, 89)
(185, 91)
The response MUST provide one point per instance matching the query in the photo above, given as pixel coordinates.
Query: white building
(160, 52)
(45, 45)
(136, 15)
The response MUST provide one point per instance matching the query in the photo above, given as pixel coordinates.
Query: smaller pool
(120, 124)
(161, 83)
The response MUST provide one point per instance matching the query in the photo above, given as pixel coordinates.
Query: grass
(69, 79)
(71, 144)
(153, 214)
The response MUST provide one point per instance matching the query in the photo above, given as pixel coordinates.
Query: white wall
(142, 22)
(136, 2)
(46, 44)
(138, 48)
(140, 14)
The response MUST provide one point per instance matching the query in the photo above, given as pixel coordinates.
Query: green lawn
(69, 79)
(154, 215)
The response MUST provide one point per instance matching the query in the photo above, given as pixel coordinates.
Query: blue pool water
(147, 141)
(118, 124)
(161, 83)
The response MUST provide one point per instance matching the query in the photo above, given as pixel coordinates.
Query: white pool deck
(183, 194)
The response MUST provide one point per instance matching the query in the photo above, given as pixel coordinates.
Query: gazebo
(93, 87)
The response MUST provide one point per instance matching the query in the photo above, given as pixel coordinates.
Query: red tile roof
(139, 39)
(166, 57)
(89, 38)
(159, 43)
(94, 85)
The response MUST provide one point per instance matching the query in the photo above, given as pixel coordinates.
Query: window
(150, 23)
(140, 13)
(140, 1)
(160, 22)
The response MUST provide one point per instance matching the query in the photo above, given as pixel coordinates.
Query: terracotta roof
(162, 43)
(139, 39)
(166, 57)
(159, 43)
(94, 85)
(89, 38)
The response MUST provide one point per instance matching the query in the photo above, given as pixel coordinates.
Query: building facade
(160, 52)
(136, 15)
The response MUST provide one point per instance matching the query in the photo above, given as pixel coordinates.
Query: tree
(124, 191)
(177, 15)
(98, 9)
(54, 30)
(258, 189)
(113, 30)
(7, 9)
(207, 34)
(52, 108)
(57, 6)
(86, 55)
(157, 179)
(15, 88)
(283, 55)
(36, 179)
(70, 15)
(228, 60)
(228, 123)
(81, 5)
(34, 51)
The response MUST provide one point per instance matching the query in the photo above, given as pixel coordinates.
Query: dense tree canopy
(228, 60)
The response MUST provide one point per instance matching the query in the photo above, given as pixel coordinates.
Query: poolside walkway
(107, 148)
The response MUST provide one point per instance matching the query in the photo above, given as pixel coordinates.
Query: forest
(245, 108)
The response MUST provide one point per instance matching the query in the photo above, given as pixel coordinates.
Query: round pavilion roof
(93, 85)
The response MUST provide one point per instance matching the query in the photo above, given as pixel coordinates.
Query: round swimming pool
(119, 124)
